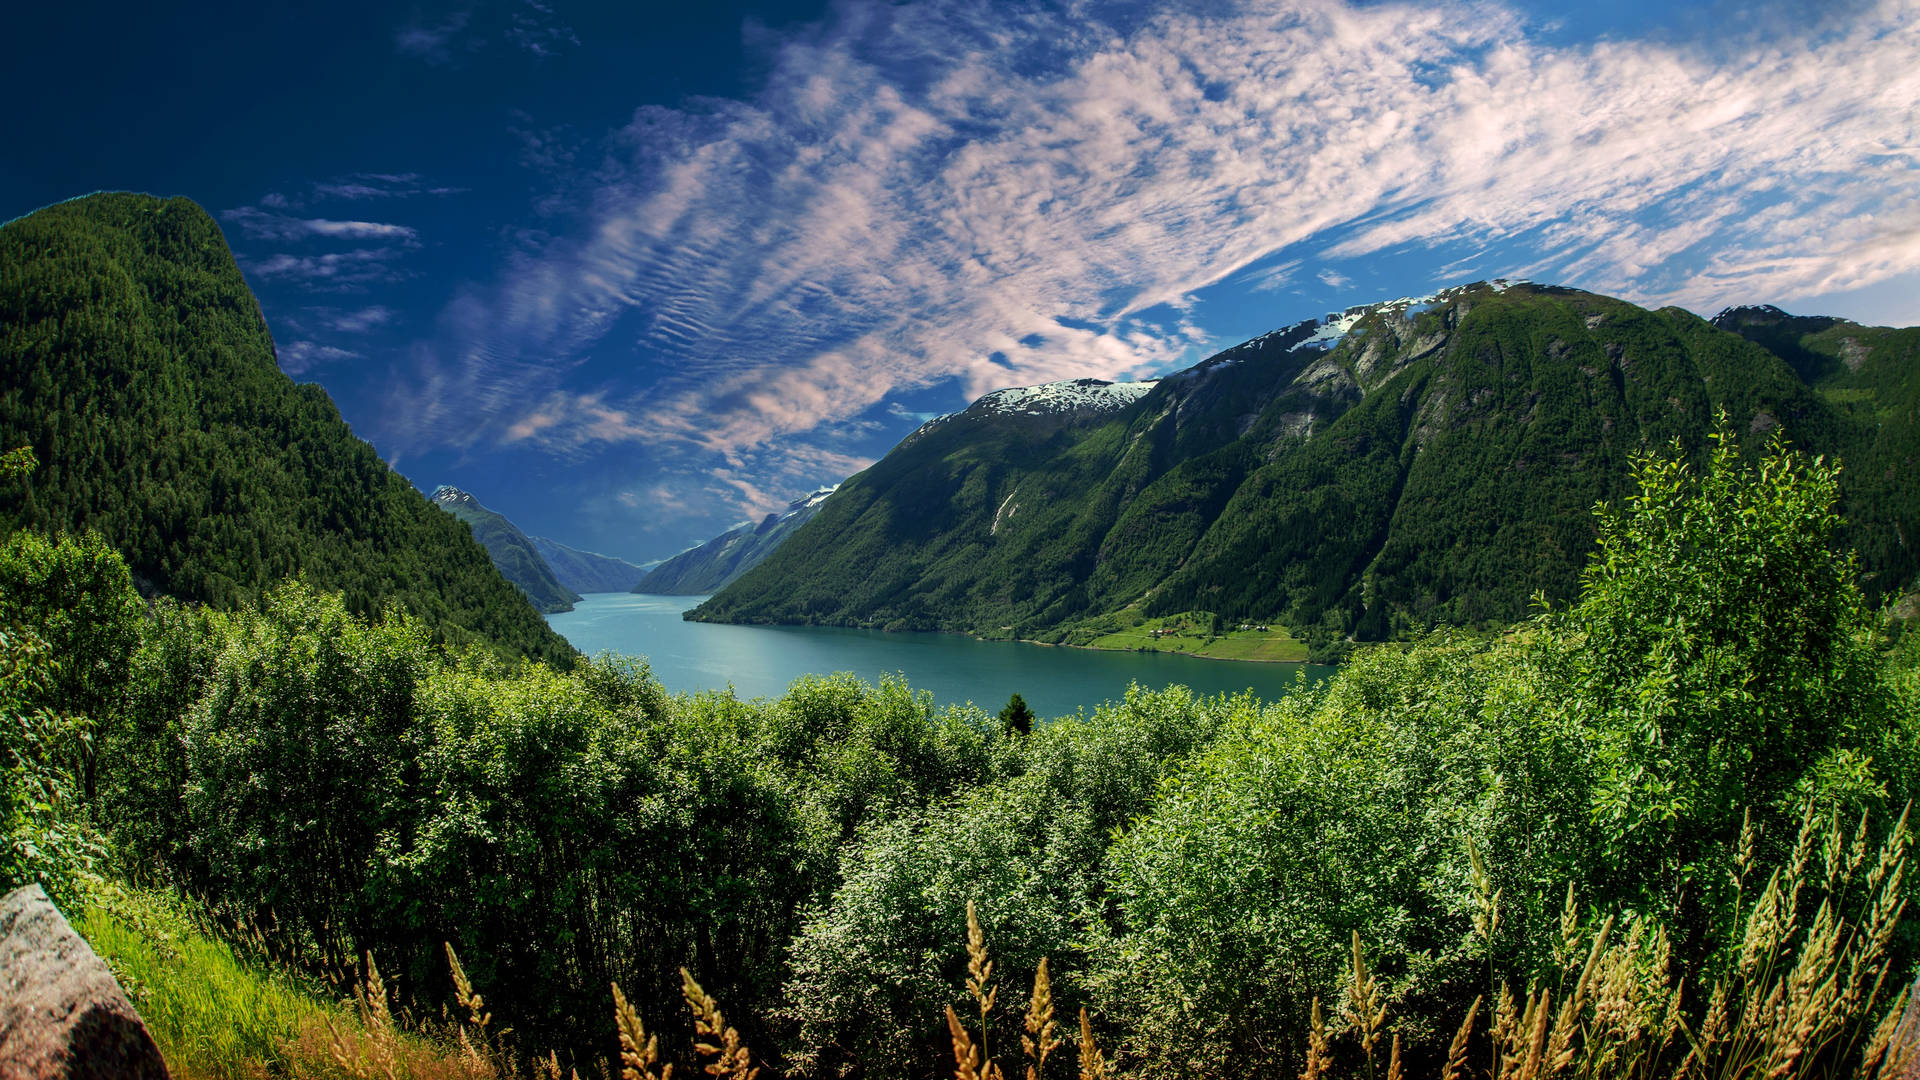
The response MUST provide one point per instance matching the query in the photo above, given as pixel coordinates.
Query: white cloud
(262, 225)
(336, 269)
(299, 357)
(923, 192)
(357, 320)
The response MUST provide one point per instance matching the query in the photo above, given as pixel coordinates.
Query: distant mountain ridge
(137, 365)
(586, 571)
(511, 550)
(1392, 466)
(720, 561)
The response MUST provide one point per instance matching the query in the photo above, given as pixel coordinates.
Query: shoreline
(1027, 641)
(1164, 652)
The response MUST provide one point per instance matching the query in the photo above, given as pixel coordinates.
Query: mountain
(137, 365)
(1358, 477)
(718, 562)
(511, 550)
(1871, 376)
(584, 571)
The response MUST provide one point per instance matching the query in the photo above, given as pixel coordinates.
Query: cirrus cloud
(938, 193)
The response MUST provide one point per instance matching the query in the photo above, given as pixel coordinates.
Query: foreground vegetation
(1560, 841)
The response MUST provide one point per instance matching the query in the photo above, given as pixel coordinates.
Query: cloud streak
(935, 192)
(264, 225)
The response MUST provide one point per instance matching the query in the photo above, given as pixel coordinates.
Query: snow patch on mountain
(1077, 395)
(1336, 325)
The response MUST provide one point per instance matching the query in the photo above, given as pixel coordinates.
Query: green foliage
(1194, 870)
(1717, 663)
(18, 462)
(40, 838)
(136, 366)
(79, 598)
(875, 965)
(1016, 718)
(1725, 659)
(69, 619)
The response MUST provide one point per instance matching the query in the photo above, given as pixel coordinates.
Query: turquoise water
(759, 661)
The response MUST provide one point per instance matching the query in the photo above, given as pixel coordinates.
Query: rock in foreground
(61, 1012)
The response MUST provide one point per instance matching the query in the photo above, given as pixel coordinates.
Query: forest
(136, 365)
(1658, 829)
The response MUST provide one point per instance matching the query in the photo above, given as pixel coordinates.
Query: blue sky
(632, 273)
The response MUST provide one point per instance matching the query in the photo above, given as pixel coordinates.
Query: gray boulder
(62, 1015)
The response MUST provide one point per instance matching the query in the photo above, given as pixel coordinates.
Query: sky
(634, 273)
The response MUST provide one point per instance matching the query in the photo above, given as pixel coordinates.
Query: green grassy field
(216, 1013)
(1191, 632)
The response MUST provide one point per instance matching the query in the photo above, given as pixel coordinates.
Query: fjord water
(760, 661)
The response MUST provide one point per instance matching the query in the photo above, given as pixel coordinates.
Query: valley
(894, 541)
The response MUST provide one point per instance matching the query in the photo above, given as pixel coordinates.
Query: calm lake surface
(759, 661)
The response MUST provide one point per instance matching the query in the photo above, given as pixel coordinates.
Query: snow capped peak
(811, 499)
(453, 496)
(1336, 325)
(1077, 395)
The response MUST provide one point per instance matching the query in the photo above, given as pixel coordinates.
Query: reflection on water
(759, 661)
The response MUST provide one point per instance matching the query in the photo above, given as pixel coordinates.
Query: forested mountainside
(720, 561)
(136, 365)
(511, 550)
(1389, 468)
(586, 571)
(1871, 376)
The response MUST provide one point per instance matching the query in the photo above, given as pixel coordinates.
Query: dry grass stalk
(639, 1052)
(1318, 1052)
(468, 999)
(1393, 1059)
(974, 1062)
(979, 973)
(1505, 1020)
(1891, 1049)
(374, 1055)
(968, 1063)
(717, 1040)
(1040, 1039)
(1567, 946)
(1364, 1010)
(463, 992)
(1093, 1066)
(1457, 1050)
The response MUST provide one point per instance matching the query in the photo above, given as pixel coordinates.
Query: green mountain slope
(585, 571)
(137, 365)
(511, 550)
(1394, 467)
(1871, 375)
(720, 561)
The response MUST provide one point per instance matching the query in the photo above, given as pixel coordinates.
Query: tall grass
(1799, 991)
(221, 1012)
